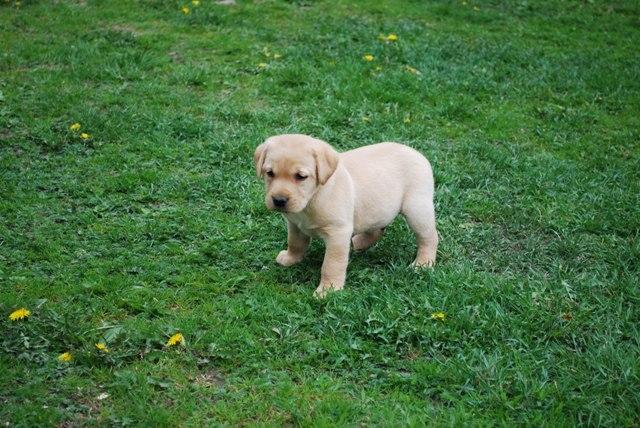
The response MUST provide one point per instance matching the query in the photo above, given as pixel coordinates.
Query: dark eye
(300, 177)
(270, 173)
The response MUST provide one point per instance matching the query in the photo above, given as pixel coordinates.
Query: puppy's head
(293, 166)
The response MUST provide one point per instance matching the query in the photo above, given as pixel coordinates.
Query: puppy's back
(391, 165)
(383, 175)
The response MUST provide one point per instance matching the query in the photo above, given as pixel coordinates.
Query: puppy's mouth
(273, 207)
(284, 210)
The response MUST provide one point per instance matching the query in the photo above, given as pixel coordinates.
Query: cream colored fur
(345, 198)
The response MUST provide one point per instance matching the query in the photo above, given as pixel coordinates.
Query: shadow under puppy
(345, 197)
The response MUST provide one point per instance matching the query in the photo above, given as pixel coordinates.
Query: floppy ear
(326, 162)
(258, 157)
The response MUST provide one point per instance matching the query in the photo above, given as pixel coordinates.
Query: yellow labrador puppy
(345, 197)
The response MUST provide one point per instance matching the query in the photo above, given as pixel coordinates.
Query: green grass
(528, 110)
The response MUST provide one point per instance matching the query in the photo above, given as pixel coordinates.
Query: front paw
(424, 262)
(285, 258)
(324, 288)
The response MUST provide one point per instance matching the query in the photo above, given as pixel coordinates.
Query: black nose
(279, 201)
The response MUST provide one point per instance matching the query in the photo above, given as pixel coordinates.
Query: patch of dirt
(127, 28)
(175, 56)
(5, 134)
(210, 378)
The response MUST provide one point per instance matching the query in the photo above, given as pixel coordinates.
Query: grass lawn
(154, 222)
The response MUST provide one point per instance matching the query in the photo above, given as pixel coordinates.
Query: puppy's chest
(308, 226)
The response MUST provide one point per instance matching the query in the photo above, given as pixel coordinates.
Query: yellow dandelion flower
(185, 10)
(85, 136)
(196, 3)
(368, 57)
(412, 70)
(75, 126)
(438, 316)
(392, 37)
(19, 314)
(65, 357)
(176, 339)
(102, 347)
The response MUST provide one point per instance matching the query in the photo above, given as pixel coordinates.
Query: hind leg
(362, 241)
(420, 214)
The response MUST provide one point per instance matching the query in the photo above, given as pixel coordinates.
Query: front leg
(297, 243)
(336, 258)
